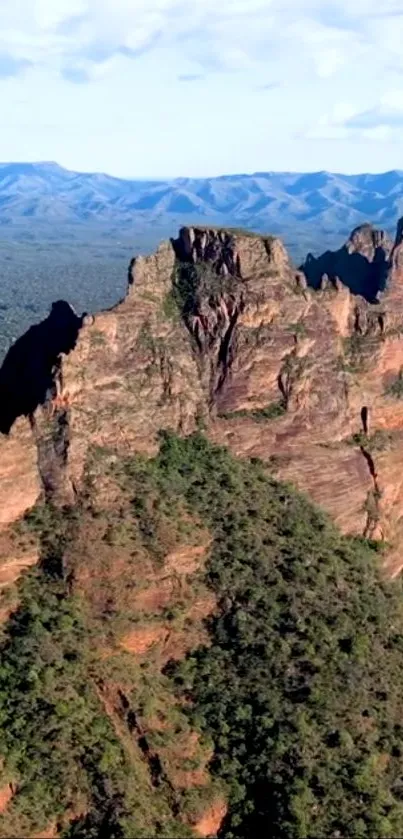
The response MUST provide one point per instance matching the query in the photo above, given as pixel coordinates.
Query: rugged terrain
(300, 370)
(81, 229)
(220, 331)
(312, 206)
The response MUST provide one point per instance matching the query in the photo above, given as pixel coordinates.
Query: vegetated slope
(196, 558)
(80, 717)
(121, 715)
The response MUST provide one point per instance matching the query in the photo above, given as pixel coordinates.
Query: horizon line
(172, 178)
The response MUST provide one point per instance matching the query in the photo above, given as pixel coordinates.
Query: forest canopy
(299, 689)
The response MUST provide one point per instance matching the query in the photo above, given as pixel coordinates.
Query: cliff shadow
(27, 375)
(353, 269)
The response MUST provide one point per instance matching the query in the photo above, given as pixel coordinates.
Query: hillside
(297, 206)
(122, 714)
(189, 644)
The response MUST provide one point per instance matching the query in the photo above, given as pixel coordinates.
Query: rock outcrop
(219, 331)
(361, 264)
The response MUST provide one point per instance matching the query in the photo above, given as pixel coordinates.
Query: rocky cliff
(219, 331)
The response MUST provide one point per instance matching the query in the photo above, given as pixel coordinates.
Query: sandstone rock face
(367, 241)
(133, 371)
(19, 477)
(218, 330)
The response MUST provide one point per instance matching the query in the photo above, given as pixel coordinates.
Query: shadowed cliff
(219, 331)
(362, 264)
(27, 375)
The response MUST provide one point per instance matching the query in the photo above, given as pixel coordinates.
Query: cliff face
(362, 263)
(218, 330)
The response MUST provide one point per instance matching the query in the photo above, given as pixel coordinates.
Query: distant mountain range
(292, 204)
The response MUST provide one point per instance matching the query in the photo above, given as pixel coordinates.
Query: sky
(166, 88)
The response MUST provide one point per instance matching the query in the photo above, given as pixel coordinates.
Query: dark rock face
(209, 291)
(396, 261)
(362, 264)
(217, 247)
(399, 233)
(29, 373)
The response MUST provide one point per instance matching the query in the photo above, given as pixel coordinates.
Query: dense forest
(298, 686)
(87, 266)
(89, 275)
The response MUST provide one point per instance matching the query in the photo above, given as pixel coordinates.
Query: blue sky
(163, 88)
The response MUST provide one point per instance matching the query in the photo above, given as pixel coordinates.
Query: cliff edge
(219, 331)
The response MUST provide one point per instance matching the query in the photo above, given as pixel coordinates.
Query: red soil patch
(175, 642)
(6, 794)
(156, 724)
(179, 641)
(13, 568)
(188, 747)
(166, 585)
(50, 832)
(211, 821)
(189, 778)
(155, 597)
(202, 607)
(140, 640)
(382, 762)
(186, 560)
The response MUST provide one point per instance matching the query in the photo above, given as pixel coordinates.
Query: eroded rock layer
(219, 331)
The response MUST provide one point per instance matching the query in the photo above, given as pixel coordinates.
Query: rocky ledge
(219, 331)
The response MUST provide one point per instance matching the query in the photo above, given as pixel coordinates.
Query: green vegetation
(156, 348)
(52, 735)
(98, 338)
(40, 266)
(293, 366)
(192, 283)
(396, 388)
(269, 412)
(170, 306)
(357, 351)
(354, 347)
(300, 689)
(376, 442)
(146, 340)
(393, 331)
(298, 329)
(301, 686)
(58, 745)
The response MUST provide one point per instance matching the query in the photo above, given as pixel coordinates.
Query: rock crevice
(219, 328)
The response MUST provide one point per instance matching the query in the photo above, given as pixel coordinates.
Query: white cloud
(271, 70)
(329, 61)
(345, 121)
(50, 15)
(331, 126)
(393, 99)
(327, 37)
